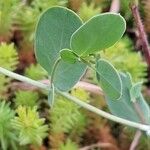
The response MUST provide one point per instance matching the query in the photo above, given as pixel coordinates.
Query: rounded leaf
(124, 106)
(68, 56)
(53, 33)
(68, 76)
(100, 32)
(109, 79)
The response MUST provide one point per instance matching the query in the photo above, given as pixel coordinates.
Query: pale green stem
(24, 79)
(54, 69)
(77, 101)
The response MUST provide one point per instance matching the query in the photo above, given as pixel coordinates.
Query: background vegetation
(26, 120)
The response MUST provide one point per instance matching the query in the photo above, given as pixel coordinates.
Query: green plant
(26, 98)
(73, 121)
(29, 126)
(4, 82)
(8, 56)
(122, 54)
(87, 11)
(36, 72)
(8, 137)
(75, 47)
(8, 59)
(27, 16)
(70, 111)
(125, 10)
(146, 6)
(69, 145)
(7, 12)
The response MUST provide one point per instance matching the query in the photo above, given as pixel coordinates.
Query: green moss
(35, 72)
(8, 137)
(26, 98)
(123, 56)
(29, 126)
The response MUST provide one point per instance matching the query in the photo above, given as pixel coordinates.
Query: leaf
(135, 91)
(109, 79)
(53, 33)
(124, 106)
(68, 56)
(100, 32)
(75, 71)
(51, 95)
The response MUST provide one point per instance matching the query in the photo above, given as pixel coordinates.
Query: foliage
(47, 50)
(29, 127)
(4, 81)
(125, 9)
(9, 60)
(89, 38)
(81, 94)
(71, 116)
(122, 54)
(8, 137)
(7, 12)
(69, 145)
(26, 98)
(84, 41)
(35, 72)
(146, 6)
(8, 56)
(124, 107)
(87, 11)
(28, 15)
(65, 47)
(72, 123)
(109, 79)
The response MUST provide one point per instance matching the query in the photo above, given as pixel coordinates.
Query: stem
(54, 69)
(77, 101)
(138, 133)
(136, 140)
(115, 6)
(105, 114)
(24, 79)
(142, 34)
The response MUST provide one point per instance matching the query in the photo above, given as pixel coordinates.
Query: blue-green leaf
(135, 91)
(109, 79)
(124, 106)
(68, 56)
(100, 32)
(75, 71)
(53, 33)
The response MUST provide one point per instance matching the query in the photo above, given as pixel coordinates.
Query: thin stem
(115, 6)
(105, 114)
(143, 36)
(77, 101)
(24, 79)
(136, 140)
(138, 133)
(54, 69)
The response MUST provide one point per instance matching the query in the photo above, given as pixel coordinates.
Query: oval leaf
(100, 32)
(109, 79)
(53, 33)
(124, 106)
(68, 56)
(75, 71)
